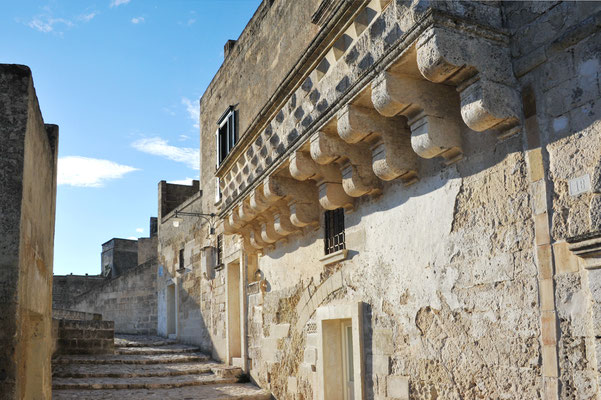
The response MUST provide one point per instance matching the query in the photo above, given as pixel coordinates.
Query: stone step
(210, 392)
(167, 349)
(131, 359)
(135, 370)
(156, 382)
(142, 341)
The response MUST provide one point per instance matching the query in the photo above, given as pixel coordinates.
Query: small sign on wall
(160, 270)
(579, 185)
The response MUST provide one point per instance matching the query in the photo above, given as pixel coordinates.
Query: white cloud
(183, 138)
(46, 23)
(140, 230)
(117, 3)
(187, 181)
(87, 17)
(89, 172)
(137, 20)
(160, 147)
(193, 111)
(132, 238)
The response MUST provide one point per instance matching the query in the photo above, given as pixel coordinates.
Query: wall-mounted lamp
(177, 219)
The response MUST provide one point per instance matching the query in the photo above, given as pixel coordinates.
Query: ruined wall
(66, 287)
(130, 300)
(27, 205)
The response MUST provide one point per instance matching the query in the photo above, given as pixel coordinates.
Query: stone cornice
(433, 18)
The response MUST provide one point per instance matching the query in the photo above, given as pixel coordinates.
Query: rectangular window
(219, 251)
(334, 231)
(181, 259)
(227, 134)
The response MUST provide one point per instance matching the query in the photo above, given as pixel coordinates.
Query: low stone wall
(66, 287)
(85, 337)
(75, 315)
(130, 300)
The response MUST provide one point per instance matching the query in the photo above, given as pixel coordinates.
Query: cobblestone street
(147, 367)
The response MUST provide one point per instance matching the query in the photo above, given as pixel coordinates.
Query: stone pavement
(147, 367)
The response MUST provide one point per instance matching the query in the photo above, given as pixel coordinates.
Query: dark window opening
(219, 250)
(181, 259)
(227, 134)
(334, 231)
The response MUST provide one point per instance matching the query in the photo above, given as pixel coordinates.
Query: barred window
(181, 259)
(219, 250)
(334, 231)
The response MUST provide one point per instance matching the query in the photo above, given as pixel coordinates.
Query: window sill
(334, 257)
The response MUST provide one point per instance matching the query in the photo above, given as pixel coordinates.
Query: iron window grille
(334, 231)
(227, 134)
(219, 264)
(181, 259)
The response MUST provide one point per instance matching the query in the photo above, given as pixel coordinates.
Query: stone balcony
(347, 129)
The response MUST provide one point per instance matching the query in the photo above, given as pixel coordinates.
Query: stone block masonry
(85, 337)
(28, 160)
(130, 300)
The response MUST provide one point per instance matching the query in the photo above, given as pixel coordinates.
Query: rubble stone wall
(66, 287)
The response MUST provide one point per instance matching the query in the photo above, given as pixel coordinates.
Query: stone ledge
(587, 247)
(334, 257)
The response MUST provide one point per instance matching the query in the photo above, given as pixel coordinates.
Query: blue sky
(122, 79)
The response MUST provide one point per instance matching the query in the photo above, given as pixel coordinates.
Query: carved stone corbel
(245, 211)
(328, 178)
(392, 155)
(432, 113)
(482, 70)
(283, 218)
(358, 177)
(257, 201)
(267, 225)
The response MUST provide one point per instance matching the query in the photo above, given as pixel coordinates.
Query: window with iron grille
(334, 230)
(219, 250)
(181, 259)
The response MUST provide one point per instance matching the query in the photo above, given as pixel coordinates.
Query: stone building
(28, 160)
(406, 200)
(125, 291)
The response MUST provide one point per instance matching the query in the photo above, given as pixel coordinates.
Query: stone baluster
(358, 177)
(482, 70)
(432, 113)
(392, 155)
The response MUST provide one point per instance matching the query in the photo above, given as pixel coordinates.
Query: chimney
(229, 46)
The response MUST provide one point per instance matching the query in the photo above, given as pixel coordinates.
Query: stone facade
(28, 163)
(462, 139)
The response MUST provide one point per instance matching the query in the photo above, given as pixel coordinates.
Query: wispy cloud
(47, 23)
(117, 3)
(183, 138)
(137, 20)
(193, 111)
(132, 238)
(87, 17)
(187, 181)
(160, 147)
(140, 230)
(89, 172)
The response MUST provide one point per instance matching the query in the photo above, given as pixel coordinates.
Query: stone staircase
(146, 367)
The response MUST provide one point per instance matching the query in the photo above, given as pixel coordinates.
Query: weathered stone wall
(27, 205)
(66, 287)
(467, 286)
(264, 54)
(85, 337)
(172, 195)
(130, 300)
(557, 59)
